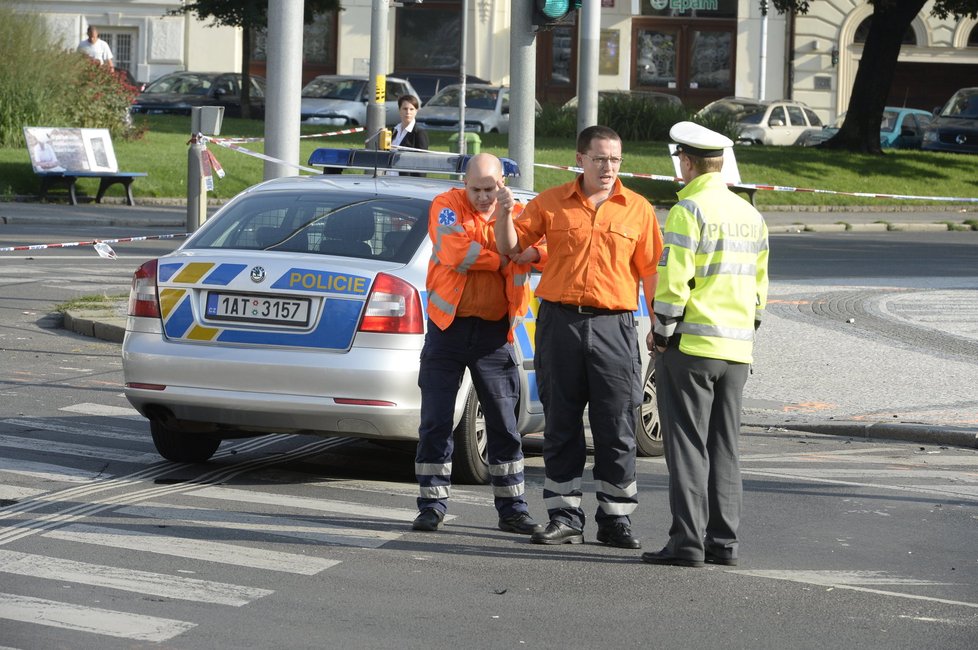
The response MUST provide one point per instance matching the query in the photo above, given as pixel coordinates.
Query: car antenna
(382, 142)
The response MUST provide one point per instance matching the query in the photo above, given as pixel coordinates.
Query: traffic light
(548, 13)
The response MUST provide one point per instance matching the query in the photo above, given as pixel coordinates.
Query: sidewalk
(803, 376)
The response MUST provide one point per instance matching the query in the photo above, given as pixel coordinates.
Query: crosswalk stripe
(285, 527)
(102, 430)
(307, 503)
(90, 619)
(87, 408)
(71, 449)
(47, 471)
(862, 472)
(193, 549)
(141, 582)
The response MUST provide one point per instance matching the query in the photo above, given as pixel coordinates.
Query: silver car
(783, 122)
(299, 307)
(486, 109)
(341, 100)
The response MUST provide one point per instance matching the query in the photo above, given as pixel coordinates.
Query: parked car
(341, 100)
(299, 307)
(178, 92)
(486, 109)
(955, 126)
(780, 122)
(652, 96)
(427, 84)
(900, 128)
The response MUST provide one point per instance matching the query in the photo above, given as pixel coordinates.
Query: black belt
(587, 309)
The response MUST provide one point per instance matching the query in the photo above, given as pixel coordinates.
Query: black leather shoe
(618, 534)
(557, 532)
(664, 557)
(428, 520)
(712, 558)
(521, 523)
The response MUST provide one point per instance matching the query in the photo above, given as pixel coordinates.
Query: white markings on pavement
(48, 447)
(90, 619)
(47, 471)
(196, 549)
(856, 581)
(86, 408)
(141, 582)
(101, 431)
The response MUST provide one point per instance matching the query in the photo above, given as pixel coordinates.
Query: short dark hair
(411, 99)
(596, 132)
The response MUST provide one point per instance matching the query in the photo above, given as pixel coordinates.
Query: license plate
(245, 308)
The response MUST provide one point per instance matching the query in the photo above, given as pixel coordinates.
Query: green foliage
(633, 118)
(246, 13)
(44, 85)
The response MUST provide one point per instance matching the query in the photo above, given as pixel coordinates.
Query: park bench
(60, 156)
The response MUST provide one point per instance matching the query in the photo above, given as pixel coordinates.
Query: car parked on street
(299, 307)
(177, 93)
(781, 122)
(955, 126)
(900, 128)
(341, 100)
(486, 109)
(427, 84)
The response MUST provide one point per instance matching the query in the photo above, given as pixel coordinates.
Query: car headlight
(930, 136)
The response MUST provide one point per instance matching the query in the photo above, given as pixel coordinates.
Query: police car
(299, 307)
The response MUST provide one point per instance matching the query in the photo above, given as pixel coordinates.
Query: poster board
(70, 150)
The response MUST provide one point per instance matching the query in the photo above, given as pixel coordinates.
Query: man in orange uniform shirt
(475, 297)
(602, 239)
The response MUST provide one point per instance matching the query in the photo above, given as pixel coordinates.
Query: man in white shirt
(96, 48)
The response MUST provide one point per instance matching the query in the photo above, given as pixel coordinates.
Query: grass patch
(91, 303)
(162, 153)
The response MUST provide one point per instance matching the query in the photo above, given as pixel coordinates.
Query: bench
(60, 156)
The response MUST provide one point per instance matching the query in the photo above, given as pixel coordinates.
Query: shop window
(656, 58)
(428, 36)
(318, 42)
(709, 59)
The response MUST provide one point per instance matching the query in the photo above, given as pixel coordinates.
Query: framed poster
(609, 52)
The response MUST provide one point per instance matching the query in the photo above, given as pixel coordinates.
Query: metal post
(762, 64)
(587, 65)
(376, 115)
(196, 190)
(461, 69)
(283, 99)
(522, 99)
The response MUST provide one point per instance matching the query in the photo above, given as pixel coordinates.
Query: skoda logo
(961, 138)
(257, 274)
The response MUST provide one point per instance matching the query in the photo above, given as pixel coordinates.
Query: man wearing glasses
(603, 239)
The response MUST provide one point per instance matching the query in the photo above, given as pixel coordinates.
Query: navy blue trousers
(480, 346)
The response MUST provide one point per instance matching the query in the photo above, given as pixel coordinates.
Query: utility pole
(376, 115)
(587, 65)
(283, 99)
(522, 92)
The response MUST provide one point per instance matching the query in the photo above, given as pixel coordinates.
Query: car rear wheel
(648, 433)
(180, 446)
(470, 462)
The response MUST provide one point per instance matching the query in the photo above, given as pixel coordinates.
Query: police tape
(782, 188)
(101, 245)
(311, 135)
(254, 154)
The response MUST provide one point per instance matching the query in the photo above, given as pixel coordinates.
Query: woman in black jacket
(408, 134)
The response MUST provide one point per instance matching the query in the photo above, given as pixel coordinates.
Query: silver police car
(299, 307)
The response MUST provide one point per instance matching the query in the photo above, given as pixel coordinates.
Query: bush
(44, 85)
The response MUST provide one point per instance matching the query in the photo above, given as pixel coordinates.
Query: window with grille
(121, 44)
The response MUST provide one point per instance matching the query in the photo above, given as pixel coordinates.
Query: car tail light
(393, 307)
(143, 296)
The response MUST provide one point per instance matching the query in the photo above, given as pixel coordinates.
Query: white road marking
(47, 471)
(931, 490)
(193, 549)
(140, 582)
(855, 581)
(307, 503)
(316, 531)
(87, 408)
(71, 449)
(101, 431)
(17, 492)
(90, 619)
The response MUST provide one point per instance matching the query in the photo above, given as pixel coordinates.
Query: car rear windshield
(964, 103)
(344, 224)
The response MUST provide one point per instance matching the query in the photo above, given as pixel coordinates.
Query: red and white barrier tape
(101, 245)
(311, 135)
(255, 154)
(782, 188)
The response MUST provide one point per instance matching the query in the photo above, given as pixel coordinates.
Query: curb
(907, 432)
(112, 329)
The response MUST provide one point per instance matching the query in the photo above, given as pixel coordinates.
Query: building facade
(699, 50)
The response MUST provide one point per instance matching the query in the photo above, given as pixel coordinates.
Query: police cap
(697, 140)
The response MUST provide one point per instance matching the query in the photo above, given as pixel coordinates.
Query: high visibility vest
(463, 242)
(713, 272)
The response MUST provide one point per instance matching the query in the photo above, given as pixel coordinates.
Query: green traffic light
(554, 8)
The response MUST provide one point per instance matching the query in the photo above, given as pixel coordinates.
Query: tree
(890, 21)
(248, 15)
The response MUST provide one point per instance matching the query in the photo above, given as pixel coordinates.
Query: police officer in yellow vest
(709, 301)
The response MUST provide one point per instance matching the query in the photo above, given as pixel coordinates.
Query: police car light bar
(401, 161)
